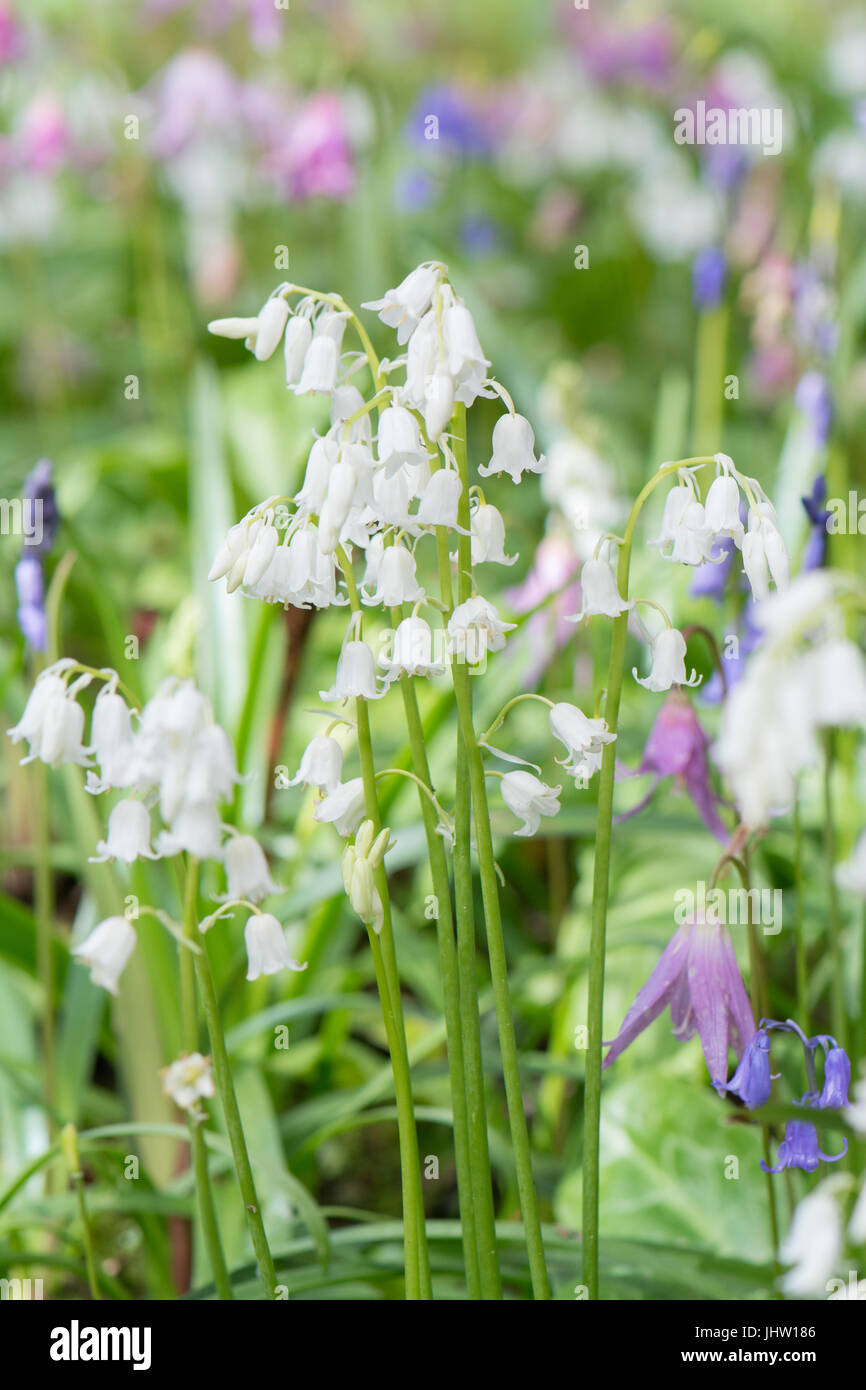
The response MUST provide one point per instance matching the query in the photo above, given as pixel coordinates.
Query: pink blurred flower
(11, 37)
(194, 93)
(315, 157)
(43, 136)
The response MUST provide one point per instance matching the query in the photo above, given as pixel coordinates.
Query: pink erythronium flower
(315, 158)
(698, 977)
(677, 748)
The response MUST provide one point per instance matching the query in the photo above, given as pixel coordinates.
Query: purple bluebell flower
(799, 1149)
(815, 549)
(31, 612)
(459, 125)
(698, 977)
(813, 399)
(479, 235)
(414, 191)
(837, 1079)
(708, 278)
(748, 639)
(677, 748)
(752, 1081)
(41, 521)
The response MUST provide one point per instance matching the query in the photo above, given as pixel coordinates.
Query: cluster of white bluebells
(805, 676)
(380, 493)
(171, 758)
(691, 530)
(693, 533)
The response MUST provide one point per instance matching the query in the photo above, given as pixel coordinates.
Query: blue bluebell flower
(815, 549)
(708, 278)
(40, 506)
(799, 1149)
(752, 1081)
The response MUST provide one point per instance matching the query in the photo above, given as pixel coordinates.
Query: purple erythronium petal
(799, 1149)
(698, 977)
(677, 748)
(751, 1082)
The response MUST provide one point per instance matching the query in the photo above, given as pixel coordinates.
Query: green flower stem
(799, 936)
(189, 1024)
(450, 987)
(600, 894)
(87, 1235)
(839, 1012)
(418, 1285)
(69, 1149)
(234, 1125)
(492, 913)
(464, 898)
(467, 969)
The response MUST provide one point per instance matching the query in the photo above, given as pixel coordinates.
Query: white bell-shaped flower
(529, 798)
(680, 496)
(813, 1246)
(337, 505)
(694, 541)
(399, 439)
(267, 947)
(403, 308)
(466, 361)
(247, 872)
(438, 401)
(599, 592)
(722, 508)
(320, 461)
(475, 628)
(62, 733)
(765, 557)
(299, 335)
(49, 688)
(261, 553)
(411, 651)
(321, 363)
(582, 738)
(513, 449)
(112, 740)
(396, 580)
(835, 674)
(440, 500)
(668, 665)
(422, 359)
(346, 401)
(128, 834)
(106, 950)
(261, 334)
(321, 764)
(197, 829)
(343, 807)
(211, 767)
(488, 536)
(356, 675)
